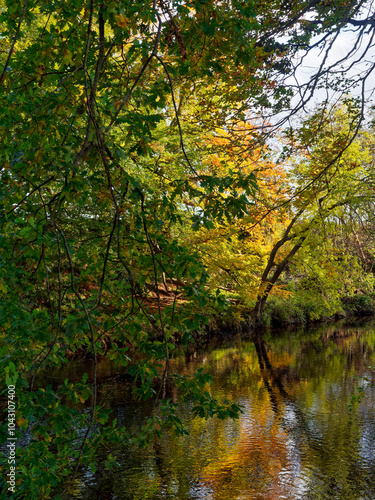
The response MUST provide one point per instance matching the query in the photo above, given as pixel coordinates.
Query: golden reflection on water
(254, 464)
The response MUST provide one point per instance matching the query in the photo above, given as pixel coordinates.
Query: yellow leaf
(21, 421)
(3, 287)
(121, 21)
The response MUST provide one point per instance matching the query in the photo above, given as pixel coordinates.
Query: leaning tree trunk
(268, 281)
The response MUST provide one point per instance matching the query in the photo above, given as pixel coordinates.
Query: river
(296, 438)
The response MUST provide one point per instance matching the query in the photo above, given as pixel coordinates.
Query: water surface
(296, 438)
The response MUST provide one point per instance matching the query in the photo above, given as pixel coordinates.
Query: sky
(348, 64)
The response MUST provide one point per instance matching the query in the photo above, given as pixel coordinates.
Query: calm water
(296, 438)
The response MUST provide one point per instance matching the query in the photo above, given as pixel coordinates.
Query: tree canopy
(142, 193)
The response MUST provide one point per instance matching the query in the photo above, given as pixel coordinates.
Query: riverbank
(236, 320)
(293, 311)
(300, 310)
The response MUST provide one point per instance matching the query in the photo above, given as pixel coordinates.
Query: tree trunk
(267, 284)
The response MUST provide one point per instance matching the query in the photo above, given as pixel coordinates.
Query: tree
(235, 248)
(332, 176)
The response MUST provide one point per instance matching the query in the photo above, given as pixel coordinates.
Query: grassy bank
(306, 308)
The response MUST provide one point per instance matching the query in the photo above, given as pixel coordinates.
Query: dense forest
(166, 170)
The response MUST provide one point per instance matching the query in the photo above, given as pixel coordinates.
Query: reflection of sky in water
(201, 492)
(367, 441)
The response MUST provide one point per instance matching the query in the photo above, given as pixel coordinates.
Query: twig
(14, 41)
